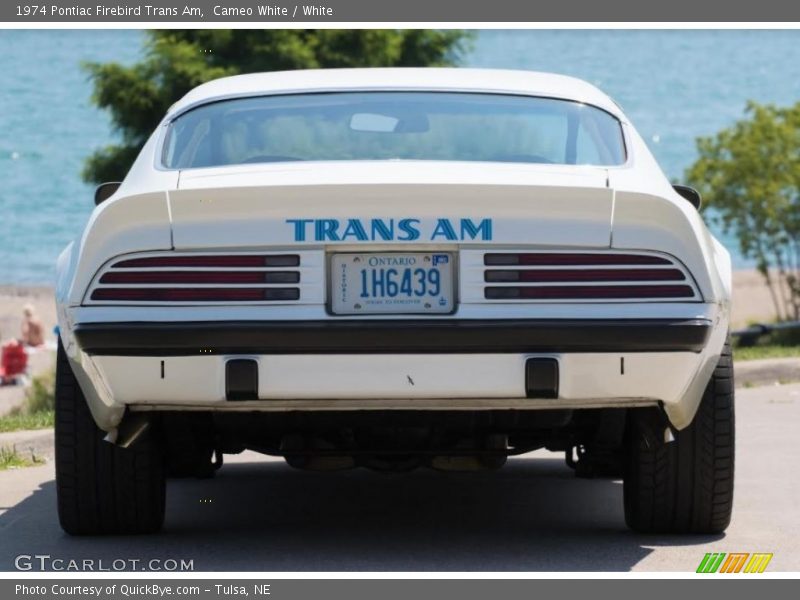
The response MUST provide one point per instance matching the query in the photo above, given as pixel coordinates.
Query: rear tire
(102, 488)
(684, 486)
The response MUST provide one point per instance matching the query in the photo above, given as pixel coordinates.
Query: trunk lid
(384, 202)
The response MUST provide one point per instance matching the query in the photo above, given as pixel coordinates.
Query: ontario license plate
(392, 282)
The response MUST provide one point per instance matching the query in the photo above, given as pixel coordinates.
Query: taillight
(578, 276)
(200, 278)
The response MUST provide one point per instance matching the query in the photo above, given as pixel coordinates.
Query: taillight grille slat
(195, 294)
(584, 276)
(208, 277)
(200, 278)
(205, 261)
(581, 292)
(571, 258)
(593, 275)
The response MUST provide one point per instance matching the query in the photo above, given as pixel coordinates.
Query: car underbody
(592, 439)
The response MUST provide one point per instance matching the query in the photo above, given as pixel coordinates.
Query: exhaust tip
(241, 379)
(541, 378)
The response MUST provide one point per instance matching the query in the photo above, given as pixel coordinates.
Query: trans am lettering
(390, 230)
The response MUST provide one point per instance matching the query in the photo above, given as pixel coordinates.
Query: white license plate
(392, 282)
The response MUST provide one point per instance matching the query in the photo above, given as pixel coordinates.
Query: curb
(38, 442)
(767, 371)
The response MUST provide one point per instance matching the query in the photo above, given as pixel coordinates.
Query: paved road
(260, 515)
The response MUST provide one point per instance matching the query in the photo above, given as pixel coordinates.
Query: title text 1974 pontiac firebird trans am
(393, 268)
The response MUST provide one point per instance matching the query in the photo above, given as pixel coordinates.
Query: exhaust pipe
(132, 427)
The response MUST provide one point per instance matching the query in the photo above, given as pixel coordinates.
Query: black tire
(684, 486)
(102, 488)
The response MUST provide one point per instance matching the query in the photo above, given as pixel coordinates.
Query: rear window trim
(163, 137)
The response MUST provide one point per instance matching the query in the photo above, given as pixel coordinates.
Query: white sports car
(393, 268)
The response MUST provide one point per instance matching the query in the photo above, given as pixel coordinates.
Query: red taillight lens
(577, 259)
(233, 277)
(588, 292)
(195, 294)
(584, 276)
(169, 278)
(546, 275)
(241, 261)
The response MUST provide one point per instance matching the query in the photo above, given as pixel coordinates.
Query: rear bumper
(397, 381)
(418, 336)
(405, 364)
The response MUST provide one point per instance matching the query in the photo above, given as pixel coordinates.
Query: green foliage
(38, 411)
(749, 174)
(22, 421)
(11, 459)
(776, 344)
(766, 351)
(40, 397)
(177, 60)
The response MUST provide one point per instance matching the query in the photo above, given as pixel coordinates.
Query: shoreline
(12, 300)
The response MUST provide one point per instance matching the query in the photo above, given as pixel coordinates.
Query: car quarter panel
(674, 227)
(119, 226)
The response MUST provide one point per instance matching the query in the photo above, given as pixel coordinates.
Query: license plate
(392, 282)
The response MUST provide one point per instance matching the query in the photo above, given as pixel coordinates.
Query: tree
(175, 61)
(749, 174)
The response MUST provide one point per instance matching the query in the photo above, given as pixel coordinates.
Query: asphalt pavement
(533, 515)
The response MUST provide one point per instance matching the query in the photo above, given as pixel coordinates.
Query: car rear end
(393, 313)
(467, 316)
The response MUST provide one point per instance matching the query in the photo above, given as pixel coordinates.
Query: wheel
(686, 485)
(102, 488)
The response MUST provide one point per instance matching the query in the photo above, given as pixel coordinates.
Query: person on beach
(32, 327)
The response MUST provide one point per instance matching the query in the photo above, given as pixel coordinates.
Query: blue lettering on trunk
(390, 230)
(325, 230)
(409, 229)
(299, 228)
(380, 229)
(468, 228)
(355, 229)
(444, 229)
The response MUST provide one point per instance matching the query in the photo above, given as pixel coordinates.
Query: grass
(766, 351)
(38, 411)
(778, 344)
(11, 459)
(41, 396)
(20, 421)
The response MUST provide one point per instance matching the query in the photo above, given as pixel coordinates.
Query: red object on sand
(13, 361)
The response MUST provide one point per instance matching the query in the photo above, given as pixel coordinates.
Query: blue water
(47, 127)
(674, 85)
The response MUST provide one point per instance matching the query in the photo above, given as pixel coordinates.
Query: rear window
(394, 126)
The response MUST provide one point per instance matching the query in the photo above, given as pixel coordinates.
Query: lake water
(674, 85)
